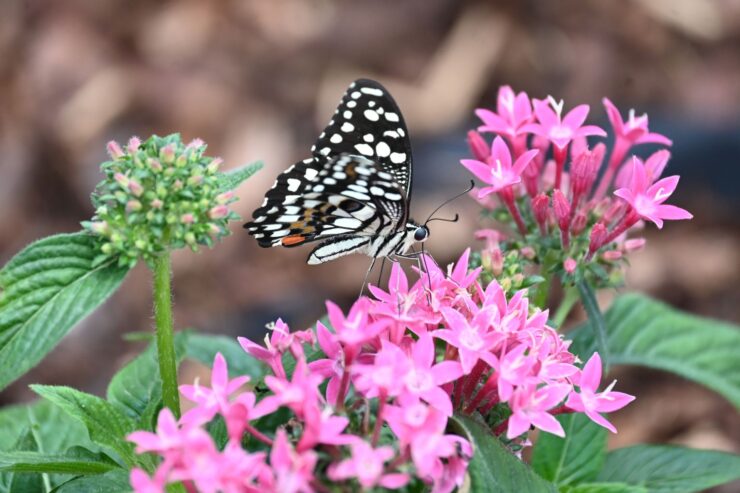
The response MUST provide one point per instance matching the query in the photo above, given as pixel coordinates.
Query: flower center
(471, 339)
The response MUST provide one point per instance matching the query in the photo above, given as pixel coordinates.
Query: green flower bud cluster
(158, 195)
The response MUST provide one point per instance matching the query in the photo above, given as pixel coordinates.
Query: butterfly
(353, 194)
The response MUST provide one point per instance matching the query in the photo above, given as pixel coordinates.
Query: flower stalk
(165, 332)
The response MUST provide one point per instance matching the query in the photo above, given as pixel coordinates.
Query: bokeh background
(257, 79)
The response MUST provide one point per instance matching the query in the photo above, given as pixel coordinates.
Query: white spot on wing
(371, 115)
(335, 139)
(347, 114)
(310, 174)
(368, 137)
(355, 195)
(355, 95)
(347, 127)
(398, 157)
(364, 149)
(372, 91)
(293, 184)
(391, 117)
(382, 149)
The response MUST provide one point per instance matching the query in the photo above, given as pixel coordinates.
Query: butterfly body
(354, 192)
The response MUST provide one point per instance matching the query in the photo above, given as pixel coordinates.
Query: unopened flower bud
(214, 165)
(187, 218)
(517, 279)
(100, 227)
(497, 262)
(540, 206)
(195, 180)
(583, 172)
(189, 238)
(218, 212)
(140, 244)
(528, 252)
(133, 145)
(177, 185)
(598, 236)
(214, 229)
(478, 146)
(570, 265)
(121, 179)
(194, 144)
(562, 209)
(135, 188)
(615, 210)
(154, 164)
(133, 206)
(225, 197)
(634, 244)
(579, 223)
(107, 248)
(612, 255)
(167, 154)
(181, 161)
(114, 150)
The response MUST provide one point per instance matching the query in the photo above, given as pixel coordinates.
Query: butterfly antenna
(472, 185)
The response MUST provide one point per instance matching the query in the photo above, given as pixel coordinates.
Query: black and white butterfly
(353, 193)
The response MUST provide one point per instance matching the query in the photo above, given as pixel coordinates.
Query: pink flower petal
(481, 170)
(518, 424)
(500, 152)
(614, 117)
(591, 373)
(600, 420)
(547, 422)
(673, 213)
(575, 117)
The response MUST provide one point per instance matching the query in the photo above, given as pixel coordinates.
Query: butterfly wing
(368, 123)
(350, 196)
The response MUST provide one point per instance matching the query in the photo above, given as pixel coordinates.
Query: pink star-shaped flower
(367, 466)
(513, 111)
(472, 338)
(635, 129)
(560, 131)
(588, 400)
(499, 172)
(647, 200)
(529, 406)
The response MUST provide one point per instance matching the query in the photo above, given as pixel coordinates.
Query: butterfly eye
(421, 233)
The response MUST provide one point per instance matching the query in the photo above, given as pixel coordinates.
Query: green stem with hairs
(165, 332)
(543, 289)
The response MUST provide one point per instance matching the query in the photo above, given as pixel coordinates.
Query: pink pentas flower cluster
(366, 399)
(548, 175)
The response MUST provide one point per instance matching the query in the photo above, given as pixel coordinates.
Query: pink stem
(621, 147)
(507, 196)
(258, 434)
(379, 418)
(560, 156)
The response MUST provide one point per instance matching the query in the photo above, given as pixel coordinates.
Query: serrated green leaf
(111, 482)
(231, 179)
(105, 423)
(46, 289)
(203, 348)
(137, 386)
(577, 458)
(642, 331)
(493, 468)
(23, 461)
(668, 469)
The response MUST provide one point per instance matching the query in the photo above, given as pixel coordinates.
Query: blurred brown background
(257, 79)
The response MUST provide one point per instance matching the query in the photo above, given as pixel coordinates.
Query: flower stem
(569, 300)
(165, 332)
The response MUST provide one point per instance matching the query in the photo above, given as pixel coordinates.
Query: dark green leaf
(493, 467)
(46, 289)
(641, 331)
(667, 469)
(577, 458)
(595, 320)
(72, 463)
(231, 179)
(203, 348)
(604, 488)
(105, 423)
(111, 482)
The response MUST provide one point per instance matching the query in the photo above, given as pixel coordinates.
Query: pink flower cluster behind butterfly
(370, 407)
(525, 166)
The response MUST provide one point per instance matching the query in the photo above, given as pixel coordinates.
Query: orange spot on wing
(293, 240)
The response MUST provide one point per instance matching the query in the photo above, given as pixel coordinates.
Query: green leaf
(111, 482)
(203, 348)
(603, 488)
(493, 467)
(46, 289)
(19, 481)
(642, 331)
(667, 469)
(105, 423)
(73, 463)
(596, 320)
(138, 386)
(577, 458)
(231, 179)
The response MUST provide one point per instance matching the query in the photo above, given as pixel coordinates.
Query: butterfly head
(421, 232)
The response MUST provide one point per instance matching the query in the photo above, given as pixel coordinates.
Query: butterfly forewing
(368, 123)
(348, 195)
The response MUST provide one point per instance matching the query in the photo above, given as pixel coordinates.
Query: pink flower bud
(167, 154)
(214, 165)
(616, 209)
(135, 188)
(225, 197)
(114, 150)
(133, 145)
(195, 180)
(194, 144)
(612, 255)
(177, 185)
(478, 147)
(541, 206)
(157, 204)
(583, 172)
(187, 218)
(562, 209)
(497, 262)
(579, 223)
(214, 229)
(528, 252)
(121, 179)
(218, 212)
(133, 206)
(599, 233)
(570, 265)
(154, 164)
(634, 244)
(100, 227)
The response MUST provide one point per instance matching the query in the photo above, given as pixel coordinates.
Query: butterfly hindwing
(349, 196)
(368, 123)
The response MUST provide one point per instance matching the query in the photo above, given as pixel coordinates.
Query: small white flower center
(471, 339)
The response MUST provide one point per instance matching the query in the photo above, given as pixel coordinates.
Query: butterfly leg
(382, 266)
(367, 275)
